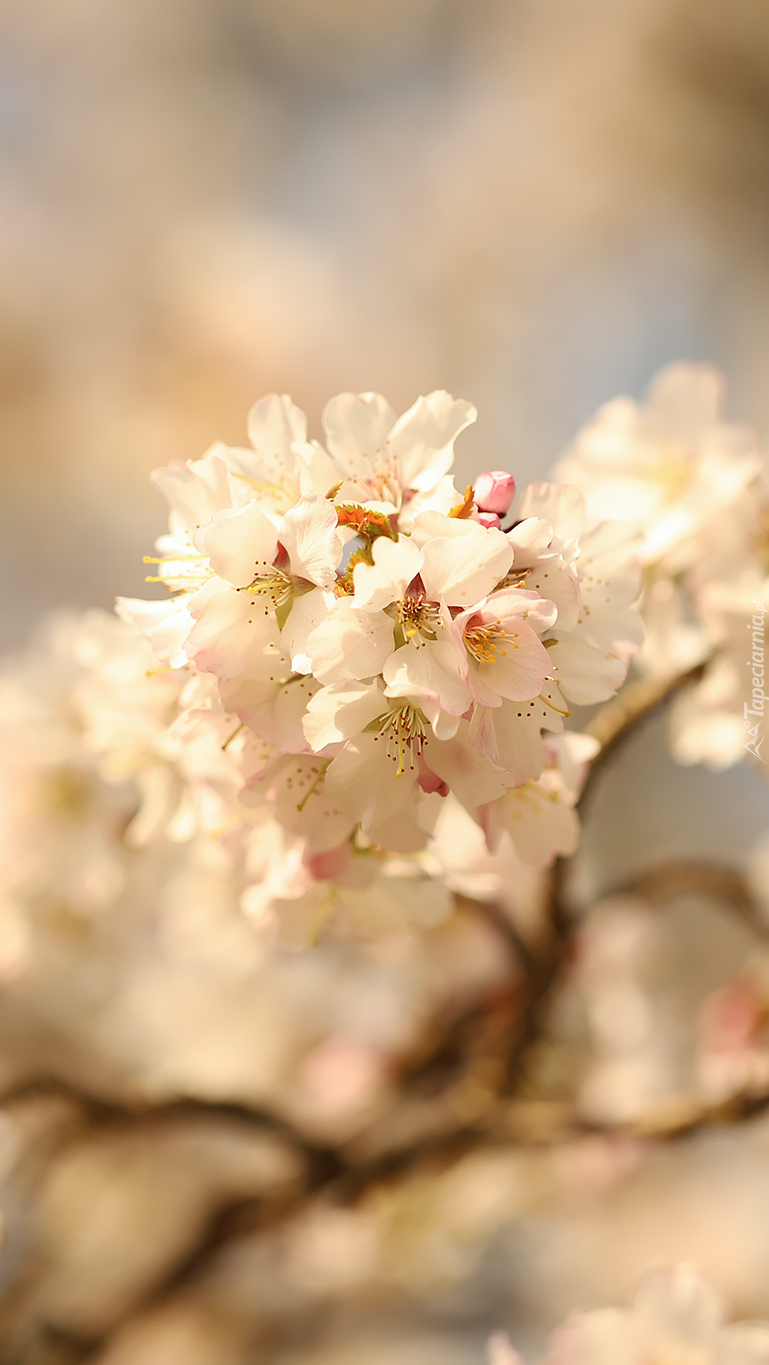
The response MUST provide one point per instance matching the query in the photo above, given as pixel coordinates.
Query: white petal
(517, 670)
(463, 568)
(303, 805)
(561, 504)
(350, 644)
(422, 440)
(542, 823)
(396, 563)
(585, 673)
(472, 778)
(165, 624)
(433, 666)
(308, 610)
(274, 711)
(274, 424)
(308, 533)
(530, 539)
(196, 489)
(511, 737)
(363, 780)
(241, 543)
(338, 713)
(230, 630)
(356, 427)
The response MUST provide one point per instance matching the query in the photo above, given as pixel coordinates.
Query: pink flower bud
(494, 491)
(489, 519)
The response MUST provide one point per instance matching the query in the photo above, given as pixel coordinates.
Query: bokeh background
(532, 203)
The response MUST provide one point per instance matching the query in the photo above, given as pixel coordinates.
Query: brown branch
(680, 1116)
(713, 881)
(619, 719)
(334, 1174)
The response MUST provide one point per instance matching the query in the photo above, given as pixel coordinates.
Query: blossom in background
(676, 1319)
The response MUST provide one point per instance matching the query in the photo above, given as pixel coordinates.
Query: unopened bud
(494, 491)
(489, 519)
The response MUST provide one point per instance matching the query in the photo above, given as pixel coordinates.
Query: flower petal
(241, 542)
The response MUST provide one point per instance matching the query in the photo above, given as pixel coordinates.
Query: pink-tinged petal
(396, 563)
(357, 426)
(543, 825)
(403, 833)
(230, 630)
(494, 491)
(530, 539)
(362, 780)
(511, 737)
(560, 504)
(586, 674)
(196, 489)
(273, 710)
(610, 581)
(442, 722)
(274, 425)
(350, 644)
(472, 778)
(295, 786)
(512, 605)
(422, 440)
(461, 569)
(308, 534)
(429, 782)
(502, 660)
(308, 610)
(432, 666)
(336, 714)
(489, 519)
(241, 543)
(331, 864)
(166, 624)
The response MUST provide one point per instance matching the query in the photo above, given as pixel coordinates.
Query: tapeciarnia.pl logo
(757, 704)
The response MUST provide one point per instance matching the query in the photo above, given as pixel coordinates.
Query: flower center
(274, 585)
(482, 642)
(403, 730)
(418, 616)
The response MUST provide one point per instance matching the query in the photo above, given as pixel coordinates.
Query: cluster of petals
(699, 488)
(368, 639)
(676, 1317)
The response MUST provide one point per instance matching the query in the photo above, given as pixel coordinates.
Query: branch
(619, 719)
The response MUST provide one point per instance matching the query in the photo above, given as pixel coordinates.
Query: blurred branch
(619, 719)
(487, 1051)
(546, 1124)
(714, 881)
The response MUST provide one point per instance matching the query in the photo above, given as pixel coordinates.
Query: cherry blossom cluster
(699, 489)
(364, 641)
